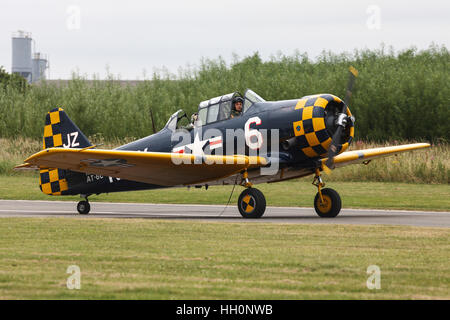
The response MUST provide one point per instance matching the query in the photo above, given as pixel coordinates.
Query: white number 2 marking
(72, 143)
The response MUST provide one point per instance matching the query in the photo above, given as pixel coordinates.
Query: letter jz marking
(72, 143)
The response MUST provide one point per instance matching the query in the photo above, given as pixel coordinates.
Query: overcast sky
(132, 36)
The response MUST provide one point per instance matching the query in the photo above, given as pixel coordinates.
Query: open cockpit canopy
(219, 108)
(213, 110)
(174, 121)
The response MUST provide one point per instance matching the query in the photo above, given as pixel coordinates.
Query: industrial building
(28, 63)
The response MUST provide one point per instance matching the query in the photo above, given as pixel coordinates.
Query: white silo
(40, 66)
(21, 54)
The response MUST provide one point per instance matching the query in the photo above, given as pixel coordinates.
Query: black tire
(331, 206)
(252, 203)
(83, 207)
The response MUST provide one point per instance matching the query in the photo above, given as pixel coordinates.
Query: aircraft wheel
(83, 207)
(331, 205)
(252, 203)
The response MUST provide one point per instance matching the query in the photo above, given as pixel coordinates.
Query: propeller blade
(342, 121)
(351, 82)
(326, 169)
(153, 121)
(333, 149)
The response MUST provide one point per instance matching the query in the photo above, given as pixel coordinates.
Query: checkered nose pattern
(312, 136)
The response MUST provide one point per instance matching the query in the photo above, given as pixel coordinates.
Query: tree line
(404, 95)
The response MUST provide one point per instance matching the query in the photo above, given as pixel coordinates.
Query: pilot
(194, 119)
(237, 107)
(192, 124)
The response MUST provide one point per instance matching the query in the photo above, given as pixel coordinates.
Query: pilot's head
(237, 104)
(194, 117)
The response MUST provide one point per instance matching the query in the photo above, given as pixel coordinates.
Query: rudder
(59, 131)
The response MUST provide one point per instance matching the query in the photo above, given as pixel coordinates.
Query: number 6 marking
(249, 133)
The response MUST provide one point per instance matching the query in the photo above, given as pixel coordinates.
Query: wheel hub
(324, 206)
(248, 203)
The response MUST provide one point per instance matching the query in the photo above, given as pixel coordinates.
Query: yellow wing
(359, 156)
(166, 169)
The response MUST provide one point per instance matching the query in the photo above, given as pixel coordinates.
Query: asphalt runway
(25, 208)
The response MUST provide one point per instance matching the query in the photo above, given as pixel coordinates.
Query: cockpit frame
(219, 108)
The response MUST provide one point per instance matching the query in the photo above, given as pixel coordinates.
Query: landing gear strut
(251, 202)
(84, 207)
(327, 201)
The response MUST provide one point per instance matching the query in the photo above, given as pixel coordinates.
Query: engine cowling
(316, 123)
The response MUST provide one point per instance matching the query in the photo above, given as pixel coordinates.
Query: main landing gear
(327, 201)
(84, 207)
(252, 203)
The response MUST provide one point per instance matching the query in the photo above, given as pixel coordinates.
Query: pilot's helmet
(237, 99)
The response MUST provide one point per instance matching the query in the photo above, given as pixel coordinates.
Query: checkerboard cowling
(312, 136)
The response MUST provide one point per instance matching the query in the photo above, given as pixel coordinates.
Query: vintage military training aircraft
(312, 135)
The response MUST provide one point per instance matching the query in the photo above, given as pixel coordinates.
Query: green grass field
(294, 193)
(151, 259)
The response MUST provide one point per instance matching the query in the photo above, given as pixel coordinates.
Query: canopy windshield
(250, 98)
(173, 122)
(219, 108)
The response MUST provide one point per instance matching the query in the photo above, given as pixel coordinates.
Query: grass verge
(143, 259)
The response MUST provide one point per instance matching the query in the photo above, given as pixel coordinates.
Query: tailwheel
(252, 203)
(329, 204)
(83, 207)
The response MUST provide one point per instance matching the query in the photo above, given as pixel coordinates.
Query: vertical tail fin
(60, 131)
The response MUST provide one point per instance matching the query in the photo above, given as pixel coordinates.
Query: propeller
(153, 120)
(341, 122)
